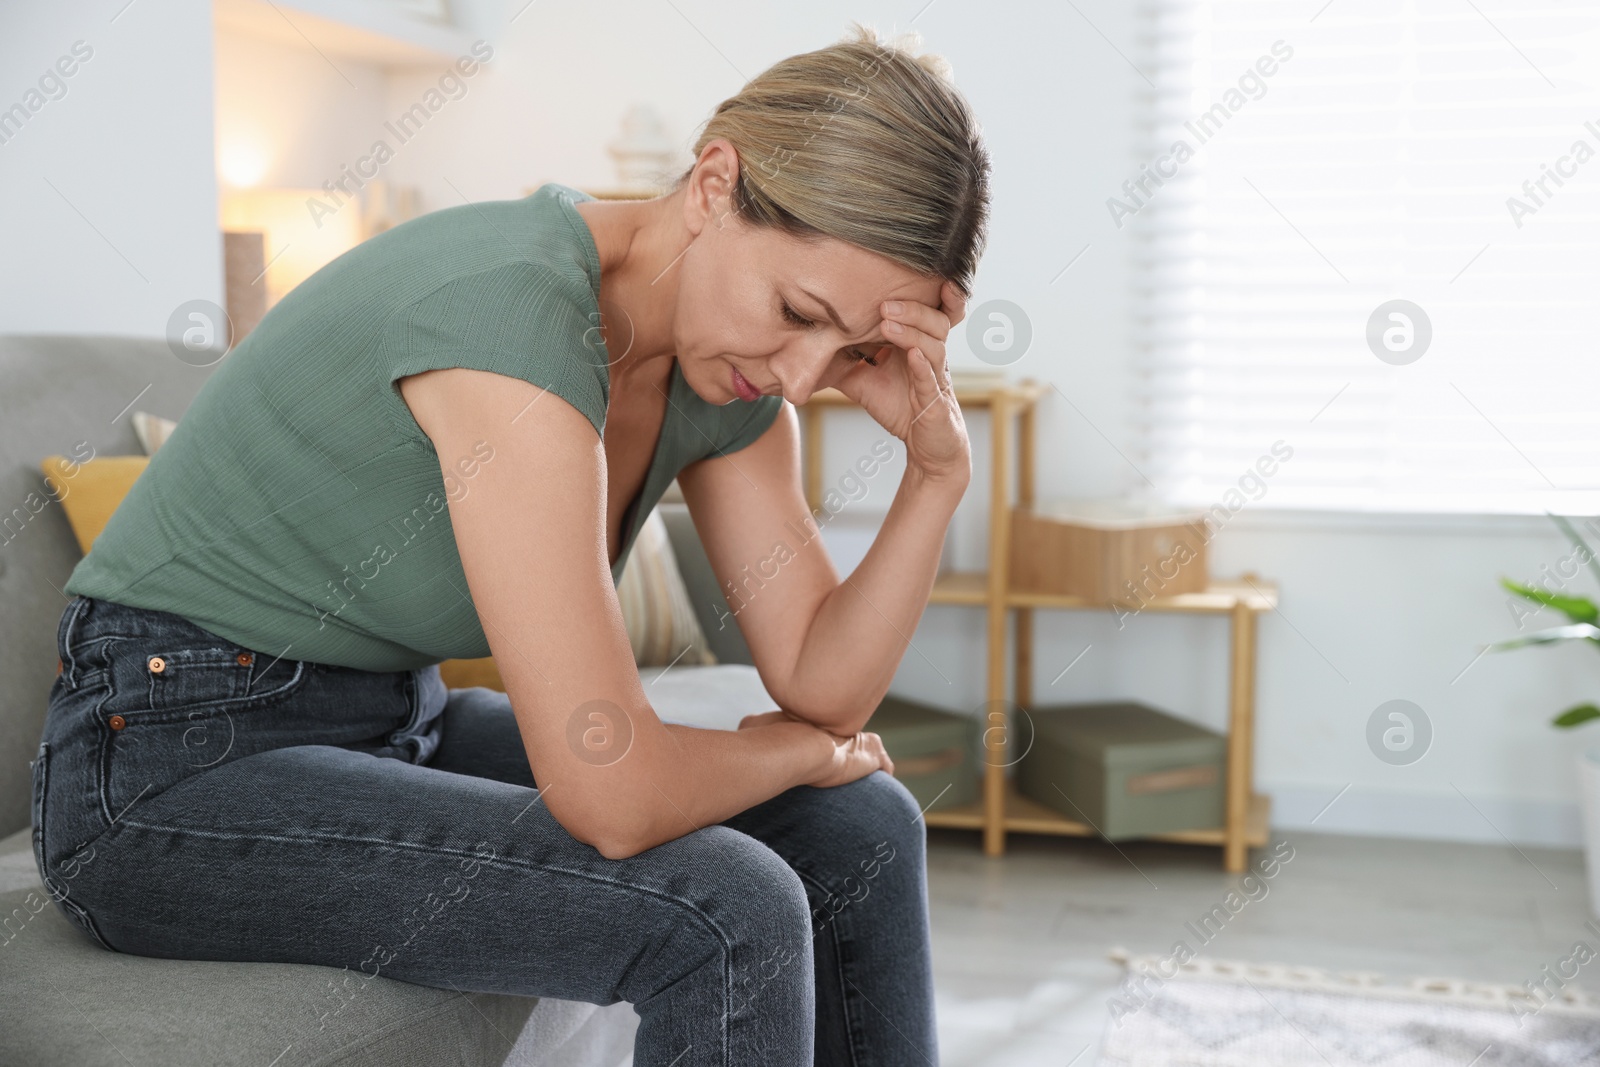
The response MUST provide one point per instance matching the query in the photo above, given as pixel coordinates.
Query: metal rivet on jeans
(157, 664)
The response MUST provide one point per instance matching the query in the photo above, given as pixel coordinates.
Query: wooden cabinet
(1000, 809)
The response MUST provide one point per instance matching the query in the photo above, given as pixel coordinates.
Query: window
(1307, 164)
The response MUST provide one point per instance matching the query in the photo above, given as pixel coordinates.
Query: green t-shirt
(298, 509)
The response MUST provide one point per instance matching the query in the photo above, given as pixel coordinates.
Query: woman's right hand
(854, 757)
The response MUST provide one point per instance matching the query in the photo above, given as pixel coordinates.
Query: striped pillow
(152, 430)
(660, 620)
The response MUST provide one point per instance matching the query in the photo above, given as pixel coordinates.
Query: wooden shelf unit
(1001, 809)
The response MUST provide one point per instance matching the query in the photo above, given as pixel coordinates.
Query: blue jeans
(198, 800)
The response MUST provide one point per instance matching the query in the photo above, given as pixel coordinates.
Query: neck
(639, 242)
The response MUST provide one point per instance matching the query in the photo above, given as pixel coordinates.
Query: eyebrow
(832, 314)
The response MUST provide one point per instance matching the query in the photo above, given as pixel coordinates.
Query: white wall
(303, 113)
(109, 203)
(1371, 609)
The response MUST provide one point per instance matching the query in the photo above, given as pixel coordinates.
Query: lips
(742, 386)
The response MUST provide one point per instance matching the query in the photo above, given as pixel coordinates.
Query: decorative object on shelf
(1108, 549)
(1583, 615)
(1125, 768)
(244, 269)
(932, 751)
(644, 153)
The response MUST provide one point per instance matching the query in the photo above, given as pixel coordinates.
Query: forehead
(845, 275)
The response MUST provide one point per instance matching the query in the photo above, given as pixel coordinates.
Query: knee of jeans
(766, 917)
(739, 909)
(882, 814)
(761, 895)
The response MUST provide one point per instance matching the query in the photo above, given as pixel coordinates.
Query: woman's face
(757, 301)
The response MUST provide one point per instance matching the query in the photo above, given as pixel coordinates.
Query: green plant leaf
(1576, 608)
(1578, 631)
(1576, 716)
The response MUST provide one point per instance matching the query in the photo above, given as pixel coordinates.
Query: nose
(799, 371)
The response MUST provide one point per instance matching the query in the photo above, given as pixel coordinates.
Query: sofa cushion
(712, 698)
(64, 1000)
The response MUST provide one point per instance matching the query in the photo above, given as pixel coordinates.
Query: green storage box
(1125, 768)
(932, 751)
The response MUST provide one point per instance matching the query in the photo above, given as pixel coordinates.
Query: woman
(436, 447)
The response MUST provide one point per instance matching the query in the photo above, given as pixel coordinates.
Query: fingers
(910, 337)
(954, 305)
(916, 318)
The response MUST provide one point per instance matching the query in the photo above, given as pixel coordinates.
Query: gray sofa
(66, 1001)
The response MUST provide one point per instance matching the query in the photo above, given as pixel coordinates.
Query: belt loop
(64, 631)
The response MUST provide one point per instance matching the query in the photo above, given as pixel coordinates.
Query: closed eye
(794, 318)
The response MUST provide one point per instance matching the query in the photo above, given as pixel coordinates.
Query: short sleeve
(737, 433)
(522, 320)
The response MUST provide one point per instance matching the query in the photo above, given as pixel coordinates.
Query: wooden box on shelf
(1107, 549)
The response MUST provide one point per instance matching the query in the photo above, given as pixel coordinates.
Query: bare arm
(531, 537)
(827, 650)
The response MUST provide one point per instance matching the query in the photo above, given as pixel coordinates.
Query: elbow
(620, 843)
(843, 721)
(843, 717)
(619, 848)
(612, 840)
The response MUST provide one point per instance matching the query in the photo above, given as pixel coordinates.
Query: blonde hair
(865, 142)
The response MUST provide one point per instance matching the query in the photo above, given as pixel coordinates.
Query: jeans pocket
(215, 679)
(58, 885)
(180, 702)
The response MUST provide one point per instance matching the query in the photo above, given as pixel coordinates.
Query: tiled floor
(1020, 942)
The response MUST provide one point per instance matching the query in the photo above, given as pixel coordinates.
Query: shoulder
(526, 306)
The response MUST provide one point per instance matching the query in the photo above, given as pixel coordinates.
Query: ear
(711, 185)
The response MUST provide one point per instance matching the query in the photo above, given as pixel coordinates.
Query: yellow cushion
(466, 673)
(90, 492)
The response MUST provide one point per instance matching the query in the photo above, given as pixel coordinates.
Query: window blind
(1307, 164)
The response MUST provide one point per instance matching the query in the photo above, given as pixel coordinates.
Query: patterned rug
(1225, 1013)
